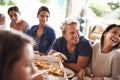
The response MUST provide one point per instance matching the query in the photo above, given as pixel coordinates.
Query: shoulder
(32, 29)
(58, 42)
(84, 43)
(116, 57)
(48, 27)
(24, 21)
(116, 53)
(49, 30)
(96, 43)
(60, 39)
(83, 40)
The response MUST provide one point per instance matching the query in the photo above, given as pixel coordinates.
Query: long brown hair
(11, 47)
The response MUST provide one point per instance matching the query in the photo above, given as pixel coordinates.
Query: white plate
(69, 73)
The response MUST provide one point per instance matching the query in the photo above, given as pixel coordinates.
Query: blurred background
(90, 13)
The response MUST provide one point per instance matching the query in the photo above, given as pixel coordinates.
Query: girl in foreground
(16, 57)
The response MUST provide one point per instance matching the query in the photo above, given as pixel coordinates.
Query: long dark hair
(107, 30)
(11, 47)
(43, 8)
(15, 8)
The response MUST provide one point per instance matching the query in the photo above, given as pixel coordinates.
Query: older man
(73, 48)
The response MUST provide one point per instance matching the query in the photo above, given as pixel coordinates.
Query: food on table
(50, 66)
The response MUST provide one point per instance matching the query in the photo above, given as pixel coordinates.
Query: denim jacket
(46, 38)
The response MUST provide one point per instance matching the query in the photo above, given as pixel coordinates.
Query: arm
(27, 26)
(115, 68)
(85, 71)
(82, 72)
(30, 31)
(81, 63)
(40, 53)
(40, 76)
(115, 71)
(83, 57)
(51, 37)
(52, 51)
(57, 54)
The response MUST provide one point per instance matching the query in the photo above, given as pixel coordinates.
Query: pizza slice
(49, 67)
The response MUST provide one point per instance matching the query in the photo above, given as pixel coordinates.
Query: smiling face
(24, 67)
(71, 33)
(112, 37)
(43, 17)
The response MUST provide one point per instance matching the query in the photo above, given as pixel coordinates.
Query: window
(29, 10)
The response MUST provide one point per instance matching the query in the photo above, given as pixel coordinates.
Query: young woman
(42, 33)
(16, 21)
(106, 56)
(16, 57)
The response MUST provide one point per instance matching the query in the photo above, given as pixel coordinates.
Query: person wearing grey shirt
(105, 56)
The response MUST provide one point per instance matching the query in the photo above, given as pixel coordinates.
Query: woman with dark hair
(106, 56)
(16, 57)
(16, 21)
(43, 34)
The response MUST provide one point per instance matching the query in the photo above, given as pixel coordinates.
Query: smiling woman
(43, 33)
(58, 11)
(107, 53)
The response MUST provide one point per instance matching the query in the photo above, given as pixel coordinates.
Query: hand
(38, 76)
(81, 74)
(36, 52)
(61, 55)
(45, 76)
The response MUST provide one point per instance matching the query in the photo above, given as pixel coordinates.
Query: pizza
(42, 64)
(50, 67)
(56, 71)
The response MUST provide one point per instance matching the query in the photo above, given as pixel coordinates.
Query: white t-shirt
(105, 65)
